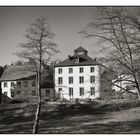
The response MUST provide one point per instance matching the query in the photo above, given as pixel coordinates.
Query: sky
(65, 22)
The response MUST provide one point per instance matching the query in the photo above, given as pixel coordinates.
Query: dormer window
(77, 60)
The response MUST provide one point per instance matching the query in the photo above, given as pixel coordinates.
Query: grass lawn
(69, 119)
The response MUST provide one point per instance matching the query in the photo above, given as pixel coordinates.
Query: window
(70, 80)
(19, 84)
(70, 91)
(81, 91)
(81, 70)
(60, 70)
(33, 92)
(18, 92)
(12, 84)
(92, 90)
(5, 93)
(25, 83)
(91, 69)
(5, 84)
(70, 70)
(81, 79)
(59, 90)
(12, 94)
(60, 80)
(92, 79)
(48, 92)
(77, 60)
(33, 84)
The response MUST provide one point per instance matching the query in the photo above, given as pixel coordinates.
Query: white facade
(76, 85)
(6, 87)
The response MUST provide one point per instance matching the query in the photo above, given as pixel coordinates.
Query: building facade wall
(29, 90)
(7, 89)
(76, 85)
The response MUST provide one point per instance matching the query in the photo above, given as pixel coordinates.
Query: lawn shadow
(17, 120)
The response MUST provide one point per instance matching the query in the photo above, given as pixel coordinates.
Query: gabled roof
(83, 60)
(16, 72)
(80, 49)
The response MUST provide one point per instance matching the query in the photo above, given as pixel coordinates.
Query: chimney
(69, 57)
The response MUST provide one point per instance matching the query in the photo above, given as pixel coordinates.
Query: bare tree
(1, 72)
(39, 50)
(118, 30)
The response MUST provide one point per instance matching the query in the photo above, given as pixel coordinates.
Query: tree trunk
(37, 116)
(138, 89)
(38, 110)
(0, 94)
(0, 97)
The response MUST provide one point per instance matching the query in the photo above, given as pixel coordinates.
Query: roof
(80, 49)
(83, 60)
(16, 72)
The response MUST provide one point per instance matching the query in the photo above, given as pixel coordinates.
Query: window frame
(59, 70)
(70, 70)
(33, 93)
(12, 94)
(92, 79)
(81, 79)
(70, 80)
(12, 84)
(81, 70)
(59, 90)
(18, 92)
(81, 91)
(33, 83)
(92, 69)
(70, 91)
(91, 91)
(25, 85)
(60, 80)
(5, 93)
(18, 83)
(5, 85)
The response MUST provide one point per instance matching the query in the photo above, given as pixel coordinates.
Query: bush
(28, 99)
(16, 101)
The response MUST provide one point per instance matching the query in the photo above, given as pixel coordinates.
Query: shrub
(16, 101)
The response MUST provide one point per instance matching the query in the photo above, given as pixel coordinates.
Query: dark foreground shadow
(65, 119)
